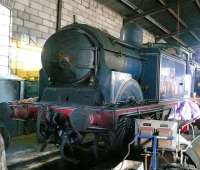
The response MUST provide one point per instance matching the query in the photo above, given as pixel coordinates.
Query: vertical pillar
(154, 160)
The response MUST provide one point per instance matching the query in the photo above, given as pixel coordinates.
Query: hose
(129, 150)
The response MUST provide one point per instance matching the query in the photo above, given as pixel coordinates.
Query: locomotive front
(85, 59)
(85, 68)
(68, 56)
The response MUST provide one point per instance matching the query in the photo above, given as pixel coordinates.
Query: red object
(25, 111)
(102, 119)
(65, 111)
(99, 116)
(185, 129)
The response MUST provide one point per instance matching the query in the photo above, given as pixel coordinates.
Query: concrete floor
(62, 165)
(24, 150)
(24, 153)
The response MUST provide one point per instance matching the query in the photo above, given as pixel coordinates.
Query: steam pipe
(59, 13)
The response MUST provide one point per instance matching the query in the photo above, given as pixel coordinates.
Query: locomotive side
(87, 74)
(83, 65)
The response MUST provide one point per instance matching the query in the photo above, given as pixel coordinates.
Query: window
(4, 39)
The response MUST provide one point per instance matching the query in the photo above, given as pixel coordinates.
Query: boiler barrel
(69, 55)
(125, 64)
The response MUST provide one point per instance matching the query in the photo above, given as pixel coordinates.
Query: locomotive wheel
(41, 127)
(84, 152)
(129, 90)
(124, 132)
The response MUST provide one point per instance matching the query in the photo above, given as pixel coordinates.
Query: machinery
(96, 69)
(11, 89)
(169, 148)
(93, 67)
(93, 87)
(167, 129)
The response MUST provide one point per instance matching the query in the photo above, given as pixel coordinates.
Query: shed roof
(161, 17)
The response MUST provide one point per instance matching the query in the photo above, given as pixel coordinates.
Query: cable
(193, 135)
(190, 145)
(128, 153)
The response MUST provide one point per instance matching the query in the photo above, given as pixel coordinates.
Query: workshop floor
(62, 165)
(25, 149)
(24, 153)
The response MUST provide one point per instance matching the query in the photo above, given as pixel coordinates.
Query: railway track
(33, 161)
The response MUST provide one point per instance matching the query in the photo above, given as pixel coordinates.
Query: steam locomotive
(93, 87)
(87, 66)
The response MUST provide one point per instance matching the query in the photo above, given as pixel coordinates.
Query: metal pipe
(59, 14)
(74, 19)
(126, 44)
(126, 55)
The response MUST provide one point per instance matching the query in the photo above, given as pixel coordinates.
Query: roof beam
(198, 3)
(172, 34)
(150, 12)
(152, 20)
(176, 33)
(173, 13)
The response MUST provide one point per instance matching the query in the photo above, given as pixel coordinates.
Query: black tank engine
(94, 86)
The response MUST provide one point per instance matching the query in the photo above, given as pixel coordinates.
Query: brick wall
(4, 39)
(148, 37)
(33, 21)
(92, 13)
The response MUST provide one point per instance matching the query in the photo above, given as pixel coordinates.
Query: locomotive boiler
(87, 66)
